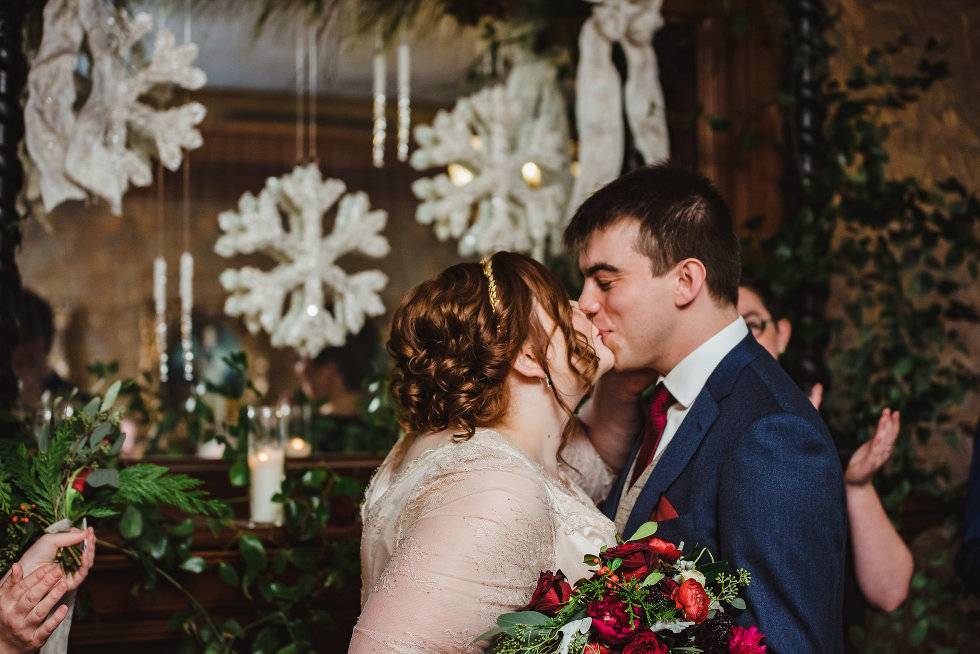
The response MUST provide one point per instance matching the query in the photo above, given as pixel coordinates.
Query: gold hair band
(488, 273)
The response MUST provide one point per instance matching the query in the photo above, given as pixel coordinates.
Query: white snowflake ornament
(99, 148)
(324, 302)
(508, 155)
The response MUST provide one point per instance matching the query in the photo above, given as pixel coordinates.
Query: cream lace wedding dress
(458, 536)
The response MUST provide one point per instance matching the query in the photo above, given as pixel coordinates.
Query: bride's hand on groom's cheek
(626, 385)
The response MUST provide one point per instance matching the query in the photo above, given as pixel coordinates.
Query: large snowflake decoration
(95, 141)
(306, 261)
(508, 157)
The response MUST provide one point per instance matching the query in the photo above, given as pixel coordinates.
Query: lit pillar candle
(266, 466)
(266, 462)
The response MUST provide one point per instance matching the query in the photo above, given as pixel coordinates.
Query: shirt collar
(689, 376)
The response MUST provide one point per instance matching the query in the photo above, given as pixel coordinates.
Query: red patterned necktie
(653, 430)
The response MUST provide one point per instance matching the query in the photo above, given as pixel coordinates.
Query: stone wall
(936, 137)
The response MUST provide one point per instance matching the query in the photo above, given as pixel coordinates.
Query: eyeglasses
(757, 326)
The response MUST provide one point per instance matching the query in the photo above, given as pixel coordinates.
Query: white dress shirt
(689, 376)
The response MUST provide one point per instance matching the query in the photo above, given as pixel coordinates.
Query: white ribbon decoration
(599, 94)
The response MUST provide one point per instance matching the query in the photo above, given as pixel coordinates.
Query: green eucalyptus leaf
(652, 578)
(91, 409)
(646, 530)
(131, 524)
(615, 564)
(110, 396)
(738, 603)
(100, 432)
(103, 477)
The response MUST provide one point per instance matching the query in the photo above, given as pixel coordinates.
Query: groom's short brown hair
(681, 216)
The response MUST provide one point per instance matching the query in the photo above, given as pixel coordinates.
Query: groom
(728, 453)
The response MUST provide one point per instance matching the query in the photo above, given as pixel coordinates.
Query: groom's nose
(588, 301)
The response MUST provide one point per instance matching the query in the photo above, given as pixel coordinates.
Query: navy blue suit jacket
(754, 476)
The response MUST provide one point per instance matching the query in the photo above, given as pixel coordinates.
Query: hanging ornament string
(378, 132)
(300, 87)
(404, 101)
(186, 259)
(311, 80)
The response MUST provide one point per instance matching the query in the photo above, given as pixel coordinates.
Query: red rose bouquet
(645, 596)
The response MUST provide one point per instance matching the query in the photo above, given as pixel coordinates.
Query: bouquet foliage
(645, 596)
(73, 474)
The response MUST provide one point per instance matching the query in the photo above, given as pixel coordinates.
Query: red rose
(646, 643)
(667, 550)
(638, 560)
(692, 597)
(746, 641)
(596, 648)
(613, 624)
(79, 482)
(551, 593)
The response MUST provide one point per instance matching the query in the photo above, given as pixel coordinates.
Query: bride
(490, 360)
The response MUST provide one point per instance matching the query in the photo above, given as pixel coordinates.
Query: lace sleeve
(586, 468)
(471, 548)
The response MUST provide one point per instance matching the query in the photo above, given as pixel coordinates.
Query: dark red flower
(646, 643)
(746, 641)
(343, 512)
(551, 593)
(638, 560)
(613, 623)
(663, 589)
(79, 482)
(596, 648)
(692, 597)
(666, 550)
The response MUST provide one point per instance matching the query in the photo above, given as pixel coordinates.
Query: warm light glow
(312, 309)
(297, 443)
(576, 169)
(476, 142)
(262, 456)
(459, 175)
(531, 174)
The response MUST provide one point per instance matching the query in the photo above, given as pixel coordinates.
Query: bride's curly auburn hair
(452, 350)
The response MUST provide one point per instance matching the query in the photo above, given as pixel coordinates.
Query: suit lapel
(691, 432)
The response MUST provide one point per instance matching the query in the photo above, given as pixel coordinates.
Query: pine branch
(149, 483)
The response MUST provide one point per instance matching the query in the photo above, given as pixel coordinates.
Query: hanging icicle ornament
(404, 100)
(307, 301)
(506, 149)
(160, 304)
(86, 144)
(380, 127)
(186, 308)
(600, 93)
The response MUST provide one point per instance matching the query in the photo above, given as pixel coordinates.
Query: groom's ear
(527, 363)
(691, 274)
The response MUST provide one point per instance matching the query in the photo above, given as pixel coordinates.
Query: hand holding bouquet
(646, 596)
